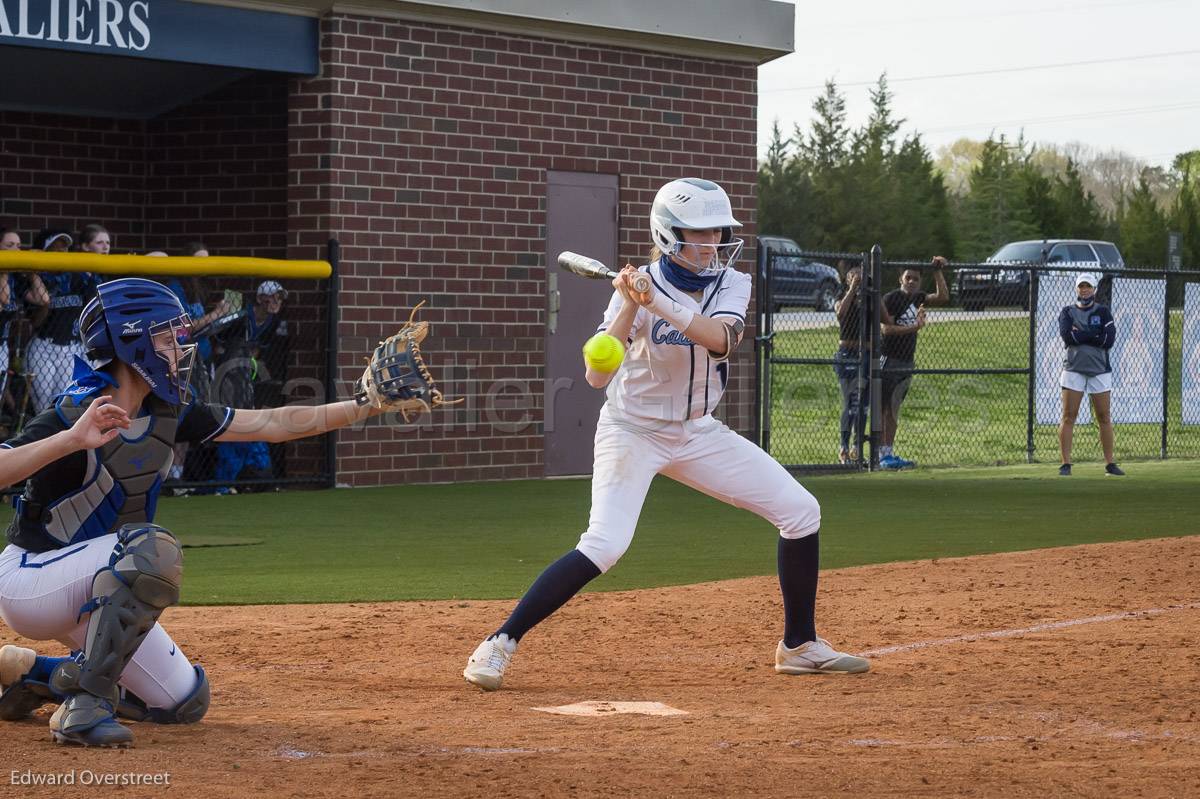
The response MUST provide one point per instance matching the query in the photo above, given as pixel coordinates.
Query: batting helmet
(693, 204)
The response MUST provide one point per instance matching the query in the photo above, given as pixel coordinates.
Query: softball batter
(658, 419)
(85, 564)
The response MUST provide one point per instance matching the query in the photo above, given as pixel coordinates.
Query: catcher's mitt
(396, 377)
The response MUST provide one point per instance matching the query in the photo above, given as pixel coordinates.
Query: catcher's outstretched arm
(276, 425)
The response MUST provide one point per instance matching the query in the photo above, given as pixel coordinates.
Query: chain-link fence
(965, 369)
(260, 344)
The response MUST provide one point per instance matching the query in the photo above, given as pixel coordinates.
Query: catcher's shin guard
(141, 580)
(189, 711)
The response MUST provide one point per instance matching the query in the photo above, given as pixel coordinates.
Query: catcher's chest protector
(122, 480)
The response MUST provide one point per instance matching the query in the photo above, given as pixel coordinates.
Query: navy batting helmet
(141, 323)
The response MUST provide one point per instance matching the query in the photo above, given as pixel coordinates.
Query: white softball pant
(703, 454)
(40, 597)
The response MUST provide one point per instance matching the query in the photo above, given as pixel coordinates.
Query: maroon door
(581, 216)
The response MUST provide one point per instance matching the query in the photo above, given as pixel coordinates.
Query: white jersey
(666, 376)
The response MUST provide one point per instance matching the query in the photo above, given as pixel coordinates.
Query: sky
(1139, 93)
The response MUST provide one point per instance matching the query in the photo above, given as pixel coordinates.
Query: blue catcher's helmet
(141, 323)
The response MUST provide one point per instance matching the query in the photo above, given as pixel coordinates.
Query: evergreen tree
(1143, 227)
(1185, 215)
(1079, 213)
(995, 210)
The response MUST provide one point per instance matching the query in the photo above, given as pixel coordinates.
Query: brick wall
(64, 172)
(424, 148)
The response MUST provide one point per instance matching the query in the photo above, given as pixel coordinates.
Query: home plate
(594, 708)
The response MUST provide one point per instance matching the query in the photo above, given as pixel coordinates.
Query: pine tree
(1143, 227)
(1185, 214)
(995, 211)
(1079, 213)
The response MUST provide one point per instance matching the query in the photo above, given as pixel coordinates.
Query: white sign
(1054, 293)
(1191, 354)
(1137, 355)
(121, 24)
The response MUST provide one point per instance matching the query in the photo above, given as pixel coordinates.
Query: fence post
(1166, 358)
(333, 252)
(1031, 395)
(876, 278)
(766, 336)
(759, 288)
(862, 379)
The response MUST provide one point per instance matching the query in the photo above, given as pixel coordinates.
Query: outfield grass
(954, 419)
(490, 540)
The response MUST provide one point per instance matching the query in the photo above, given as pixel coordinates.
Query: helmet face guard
(141, 323)
(694, 204)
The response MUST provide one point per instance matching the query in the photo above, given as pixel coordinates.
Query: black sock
(561, 580)
(799, 559)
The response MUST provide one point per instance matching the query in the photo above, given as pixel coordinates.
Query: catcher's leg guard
(189, 711)
(24, 681)
(141, 580)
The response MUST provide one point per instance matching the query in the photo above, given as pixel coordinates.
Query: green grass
(490, 540)
(954, 419)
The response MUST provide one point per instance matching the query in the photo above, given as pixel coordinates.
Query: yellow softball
(603, 353)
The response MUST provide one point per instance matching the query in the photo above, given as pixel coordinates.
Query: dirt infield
(367, 700)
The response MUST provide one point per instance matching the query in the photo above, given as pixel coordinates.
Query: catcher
(85, 564)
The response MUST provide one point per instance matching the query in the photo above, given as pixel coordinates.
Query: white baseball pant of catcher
(701, 453)
(40, 597)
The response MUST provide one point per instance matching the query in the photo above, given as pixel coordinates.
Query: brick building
(452, 148)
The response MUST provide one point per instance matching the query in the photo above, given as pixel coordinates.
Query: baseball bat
(594, 270)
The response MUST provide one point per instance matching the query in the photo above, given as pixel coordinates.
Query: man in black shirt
(903, 315)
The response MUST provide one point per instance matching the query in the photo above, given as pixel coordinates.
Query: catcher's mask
(141, 323)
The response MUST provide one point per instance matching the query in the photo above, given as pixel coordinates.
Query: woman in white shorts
(1088, 330)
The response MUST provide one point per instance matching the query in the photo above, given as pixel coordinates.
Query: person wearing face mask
(1088, 330)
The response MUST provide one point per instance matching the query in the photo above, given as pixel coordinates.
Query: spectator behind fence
(50, 359)
(10, 306)
(193, 293)
(1088, 330)
(241, 339)
(847, 364)
(17, 290)
(903, 316)
(94, 238)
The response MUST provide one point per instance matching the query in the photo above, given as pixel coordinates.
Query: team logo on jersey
(658, 336)
(132, 328)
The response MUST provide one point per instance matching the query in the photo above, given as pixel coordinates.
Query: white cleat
(486, 665)
(817, 657)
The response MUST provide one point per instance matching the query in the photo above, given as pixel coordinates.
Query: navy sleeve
(1108, 333)
(1064, 327)
(44, 425)
(202, 423)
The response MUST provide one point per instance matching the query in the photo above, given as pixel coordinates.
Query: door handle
(555, 302)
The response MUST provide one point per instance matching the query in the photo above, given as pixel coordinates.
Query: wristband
(673, 312)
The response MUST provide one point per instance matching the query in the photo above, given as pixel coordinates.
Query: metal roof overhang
(139, 59)
(755, 31)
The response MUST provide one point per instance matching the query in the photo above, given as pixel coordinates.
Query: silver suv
(979, 288)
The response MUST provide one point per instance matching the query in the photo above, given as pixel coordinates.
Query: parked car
(797, 280)
(979, 288)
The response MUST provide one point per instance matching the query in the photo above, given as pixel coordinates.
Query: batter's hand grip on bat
(591, 268)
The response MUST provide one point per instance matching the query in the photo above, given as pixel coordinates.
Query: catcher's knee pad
(141, 580)
(189, 711)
